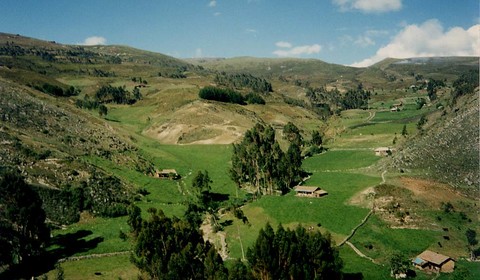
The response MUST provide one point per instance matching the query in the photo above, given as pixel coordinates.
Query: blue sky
(350, 32)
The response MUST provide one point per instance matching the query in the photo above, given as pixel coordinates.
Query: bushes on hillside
(254, 98)
(222, 95)
(56, 90)
(118, 95)
(243, 80)
(465, 84)
(230, 96)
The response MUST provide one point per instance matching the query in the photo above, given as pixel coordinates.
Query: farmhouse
(167, 174)
(434, 262)
(310, 191)
(396, 107)
(383, 151)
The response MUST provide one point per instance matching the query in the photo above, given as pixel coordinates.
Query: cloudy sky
(349, 32)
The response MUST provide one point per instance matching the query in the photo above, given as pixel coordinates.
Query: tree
(134, 219)
(432, 90)
(398, 264)
(293, 254)
(292, 134)
(22, 221)
(259, 162)
(239, 271)
(136, 93)
(465, 84)
(293, 164)
(472, 241)
(420, 103)
(316, 138)
(201, 184)
(404, 130)
(102, 110)
(214, 267)
(170, 248)
(421, 122)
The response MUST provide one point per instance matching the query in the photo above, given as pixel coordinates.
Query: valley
(422, 194)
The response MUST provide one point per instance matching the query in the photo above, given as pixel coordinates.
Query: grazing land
(58, 139)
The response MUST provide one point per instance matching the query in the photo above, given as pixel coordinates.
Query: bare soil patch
(431, 192)
(202, 123)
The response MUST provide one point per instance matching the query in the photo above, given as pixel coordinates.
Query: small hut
(310, 191)
(434, 262)
(383, 151)
(167, 174)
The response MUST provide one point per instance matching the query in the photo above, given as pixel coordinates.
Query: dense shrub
(56, 90)
(243, 80)
(254, 98)
(222, 95)
(110, 94)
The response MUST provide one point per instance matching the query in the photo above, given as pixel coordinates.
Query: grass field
(331, 213)
(115, 267)
(344, 171)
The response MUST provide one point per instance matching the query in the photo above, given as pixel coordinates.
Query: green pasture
(91, 236)
(113, 267)
(403, 116)
(189, 159)
(340, 160)
(134, 118)
(356, 267)
(332, 212)
(385, 241)
(378, 129)
(468, 269)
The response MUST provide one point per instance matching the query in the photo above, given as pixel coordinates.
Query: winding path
(359, 252)
(370, 116)
(345, 241)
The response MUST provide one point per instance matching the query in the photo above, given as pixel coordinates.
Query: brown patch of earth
(218, 239)
(431, 192)
(363, 198)
(202, 123)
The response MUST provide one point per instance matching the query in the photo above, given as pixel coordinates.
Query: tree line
(229, 96)
(57, 90)
(243, 80)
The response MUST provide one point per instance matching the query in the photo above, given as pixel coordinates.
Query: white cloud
(250, 30)
(289, 50)
(283, 44)
(94, 40)
(369, 6)
(217, 14)
(364, 41)
(212, 3)
(427, 40)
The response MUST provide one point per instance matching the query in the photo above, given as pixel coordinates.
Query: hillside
(88, 127)
(448, 149)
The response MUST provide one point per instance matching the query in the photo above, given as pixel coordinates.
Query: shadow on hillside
(69, 244)
(353, 276)
(218, 197)
(64, 246)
